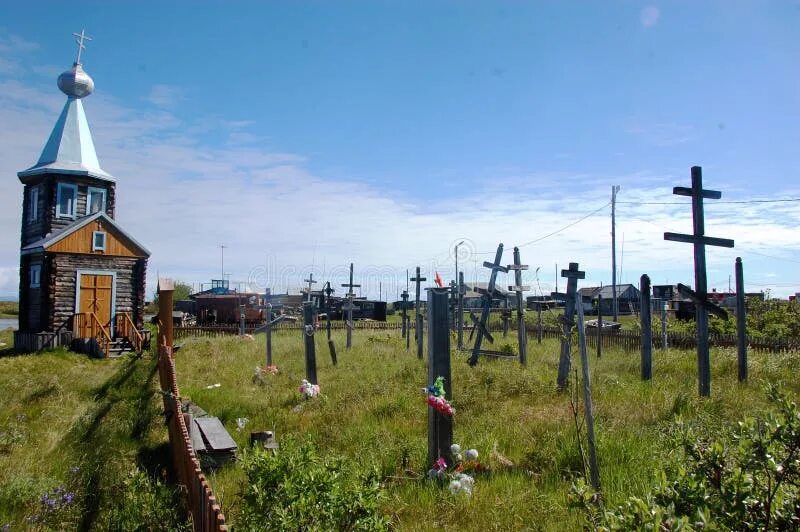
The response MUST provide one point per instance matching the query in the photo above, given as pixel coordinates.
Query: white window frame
(33, 204)
(36, 275)
(95, 234)
(95, 190)
(62, 186)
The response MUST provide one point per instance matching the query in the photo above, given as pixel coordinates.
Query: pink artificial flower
(440, 464)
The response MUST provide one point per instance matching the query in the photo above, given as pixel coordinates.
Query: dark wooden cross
(572, 275)
(327, 304)
(310, 281)
(349, 307)
(700, 293)
(418, 279)
(486, 305)
(522, 334)
(406, 332)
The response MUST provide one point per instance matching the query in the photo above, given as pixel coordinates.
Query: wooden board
(214, 434)
(81, 242)
(194, 434)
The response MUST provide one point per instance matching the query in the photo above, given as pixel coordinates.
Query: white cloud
(649, 16)
(164, 95)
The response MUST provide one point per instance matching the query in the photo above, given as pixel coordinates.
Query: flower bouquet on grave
(459, 482)
(436, 398)
(264, 371)
(309, 390)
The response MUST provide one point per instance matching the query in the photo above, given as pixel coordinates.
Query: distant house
(627, 298)
(588, 297)
(473, 298)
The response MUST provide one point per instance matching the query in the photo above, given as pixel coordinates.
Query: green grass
(9, 309)
(373, 413)
(89, 426)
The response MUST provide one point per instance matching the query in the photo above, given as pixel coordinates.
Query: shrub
(745, 479)
(296, 489)
(141, 503)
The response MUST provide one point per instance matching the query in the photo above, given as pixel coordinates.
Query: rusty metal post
(166, 288)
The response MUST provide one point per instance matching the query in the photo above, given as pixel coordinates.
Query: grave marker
(594, 470)
(518, 288)
(462, 289)
(308, 337)
(700, 295)
(406, 332)
(418, 279)
(310, 281)
(327, 304)
(348, 307)
(486, 305)
(599, 325)
(647, 328)
(572, 275)
(440, 427)
(741, 322)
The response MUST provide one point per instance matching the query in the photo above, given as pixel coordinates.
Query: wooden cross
(418, 279)
(328, 306)
(486, 304)
(79, 39)
(310, 281)
(349, 307)
(522, 334)
(462, 289)
(572, 275)
(700, 294)
(406, 334)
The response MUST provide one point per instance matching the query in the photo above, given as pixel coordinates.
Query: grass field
(82, 444)
(9, 309)
(373, 413)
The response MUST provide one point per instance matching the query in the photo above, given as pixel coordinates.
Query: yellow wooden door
(96, 291)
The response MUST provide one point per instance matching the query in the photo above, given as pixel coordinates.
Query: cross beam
(699, 241)
(714, 309)
(486, 305)
(310, 281)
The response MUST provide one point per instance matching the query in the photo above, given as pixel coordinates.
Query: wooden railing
(86, 325)
(125, 327)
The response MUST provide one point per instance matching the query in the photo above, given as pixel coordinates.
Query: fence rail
(627, 340)
(206, 513)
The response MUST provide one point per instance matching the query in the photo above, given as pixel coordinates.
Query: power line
(738, 202)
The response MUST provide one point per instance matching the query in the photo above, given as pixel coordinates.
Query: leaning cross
(418, 279)
(522, 335)
(310, 281)
(486, 305)
(328, 306)
(700, 294)
(349, 307)
(572, 275)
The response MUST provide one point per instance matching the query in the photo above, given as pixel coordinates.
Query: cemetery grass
(82, 444)
(372, 412)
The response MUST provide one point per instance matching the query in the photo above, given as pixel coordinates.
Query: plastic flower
(455, 448)
(308, 389)
(440, 464)
(471, 454)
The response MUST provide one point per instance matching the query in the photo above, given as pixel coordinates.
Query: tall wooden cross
(310, 281)
(572, 275)
(522, 334)
(328, 306)
(700, 293)
(406, 332)
(418, 279)
(349, 307)
(486, 305)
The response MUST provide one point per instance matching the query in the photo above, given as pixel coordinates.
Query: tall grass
(373, 413)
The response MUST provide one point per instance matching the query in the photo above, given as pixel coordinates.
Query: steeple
(70, 149)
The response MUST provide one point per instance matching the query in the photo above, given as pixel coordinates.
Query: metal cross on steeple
(79, 39)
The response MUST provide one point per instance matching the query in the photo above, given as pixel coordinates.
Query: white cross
(79, 38)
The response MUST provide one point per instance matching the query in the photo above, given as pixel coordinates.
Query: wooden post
(645, 320)
(403, 312)
(599, 325)
(268, 331)
(440, 427)
(166, 287)
(460, 320)
(741, 321)
(664, 336)
(700, 293)
(522, 333)
(418, 279)
(594, 471)
(540, 327)
(241, 320)
(328, 308)
(349, 307)
(308, 336)
(572, 275)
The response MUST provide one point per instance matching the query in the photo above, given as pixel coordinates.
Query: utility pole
(222, 261)
(614, 303)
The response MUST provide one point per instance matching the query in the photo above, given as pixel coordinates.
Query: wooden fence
(206, 513)
(623, 339)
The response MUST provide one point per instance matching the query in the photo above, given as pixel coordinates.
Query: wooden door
(96, 293)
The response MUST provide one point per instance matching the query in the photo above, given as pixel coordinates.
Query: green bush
(141, 503)
(745, 479)
(297, 489)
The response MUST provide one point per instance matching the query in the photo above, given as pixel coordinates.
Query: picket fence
(206, 513)
(623, 339)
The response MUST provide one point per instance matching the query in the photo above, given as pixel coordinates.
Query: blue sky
(304, 135)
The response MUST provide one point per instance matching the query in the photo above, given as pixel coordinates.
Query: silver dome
(75, 82)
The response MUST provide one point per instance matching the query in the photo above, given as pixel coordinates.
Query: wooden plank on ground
(214, 434)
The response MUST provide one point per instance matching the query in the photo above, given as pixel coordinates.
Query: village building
(82, 276)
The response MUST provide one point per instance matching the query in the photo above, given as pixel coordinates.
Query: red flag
(439, 281)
